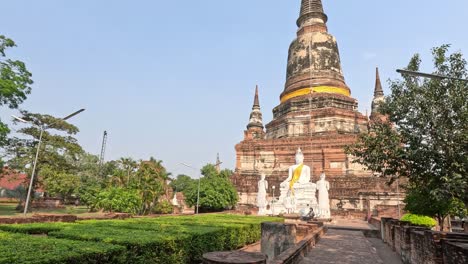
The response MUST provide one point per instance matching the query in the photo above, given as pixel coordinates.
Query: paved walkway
(350, 224)
(349, 247)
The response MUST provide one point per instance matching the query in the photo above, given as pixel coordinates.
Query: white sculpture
(174, 200)
(297, 192)
(261, 196)
(324, 202)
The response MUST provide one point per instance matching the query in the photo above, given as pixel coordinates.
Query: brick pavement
(343, 246)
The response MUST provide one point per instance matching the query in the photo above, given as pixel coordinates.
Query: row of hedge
(20, 248)
(154, 240)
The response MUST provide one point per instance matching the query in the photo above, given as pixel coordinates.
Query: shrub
(118, 200)
(20, 248)
(163, 207)
(419, 220)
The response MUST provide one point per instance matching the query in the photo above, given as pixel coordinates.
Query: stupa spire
(256, 119)
(378, 91)
(256, 100)
(314, 64)
(312, 10)
(379, 95)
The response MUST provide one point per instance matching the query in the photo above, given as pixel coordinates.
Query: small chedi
(298, 193)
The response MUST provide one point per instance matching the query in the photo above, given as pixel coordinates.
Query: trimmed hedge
(420, 220)
(182, 239)
(34, 229)
(20, 248)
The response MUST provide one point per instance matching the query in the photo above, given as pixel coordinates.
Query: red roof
(11, 181)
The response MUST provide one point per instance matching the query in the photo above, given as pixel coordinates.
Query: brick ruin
(317, 114)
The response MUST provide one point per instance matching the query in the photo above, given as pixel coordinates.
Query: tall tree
(15, 83)
(424, 136)
(128, 166)
(151, 182)
(58, 152)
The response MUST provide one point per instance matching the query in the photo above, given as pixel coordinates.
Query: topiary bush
(419, 220)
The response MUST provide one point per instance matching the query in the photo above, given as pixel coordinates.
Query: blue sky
(175, 79)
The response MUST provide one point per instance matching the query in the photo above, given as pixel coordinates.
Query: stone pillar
(277, 238)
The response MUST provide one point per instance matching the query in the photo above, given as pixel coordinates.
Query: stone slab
(234, 257)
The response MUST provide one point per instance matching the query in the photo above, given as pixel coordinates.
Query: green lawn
(8, 209)
(172, 239)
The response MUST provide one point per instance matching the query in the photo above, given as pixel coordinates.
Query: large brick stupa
(317, 114)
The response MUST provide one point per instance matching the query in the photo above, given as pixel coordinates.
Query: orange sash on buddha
(296, 176)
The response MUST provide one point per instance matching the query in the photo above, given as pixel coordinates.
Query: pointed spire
(379, 95)
(218, 163)
(256, 114)
(256, 100)
(312, 9)
(378, 91)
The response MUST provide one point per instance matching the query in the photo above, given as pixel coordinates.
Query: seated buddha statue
(298, 182)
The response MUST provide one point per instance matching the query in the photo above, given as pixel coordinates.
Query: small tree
(216, 191)
(424, 136)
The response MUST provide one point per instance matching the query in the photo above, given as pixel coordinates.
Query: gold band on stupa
(318, 89)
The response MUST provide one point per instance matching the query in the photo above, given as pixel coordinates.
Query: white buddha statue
(298, 173)
(298, 193)
(297, 187)
(324, 201)
(261, 195)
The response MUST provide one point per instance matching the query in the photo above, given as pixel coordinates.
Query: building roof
(12, 180)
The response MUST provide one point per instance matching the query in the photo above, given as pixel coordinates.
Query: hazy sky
(175, 79)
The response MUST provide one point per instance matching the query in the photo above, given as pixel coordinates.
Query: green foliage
(145, 178)
(217, 193)
(15, 82)
(159, 240)
(18, 248)
(61, 184)
(419, 201)
(425, 139)
(118, 200)
(419, 220)
(182, 183)
(163, 207)
(151, 182)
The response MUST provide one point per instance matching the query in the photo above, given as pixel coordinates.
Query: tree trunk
(441, 221)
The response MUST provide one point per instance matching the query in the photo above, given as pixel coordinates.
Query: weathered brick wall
(454, 252)
(397, 230)
(418, 245)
